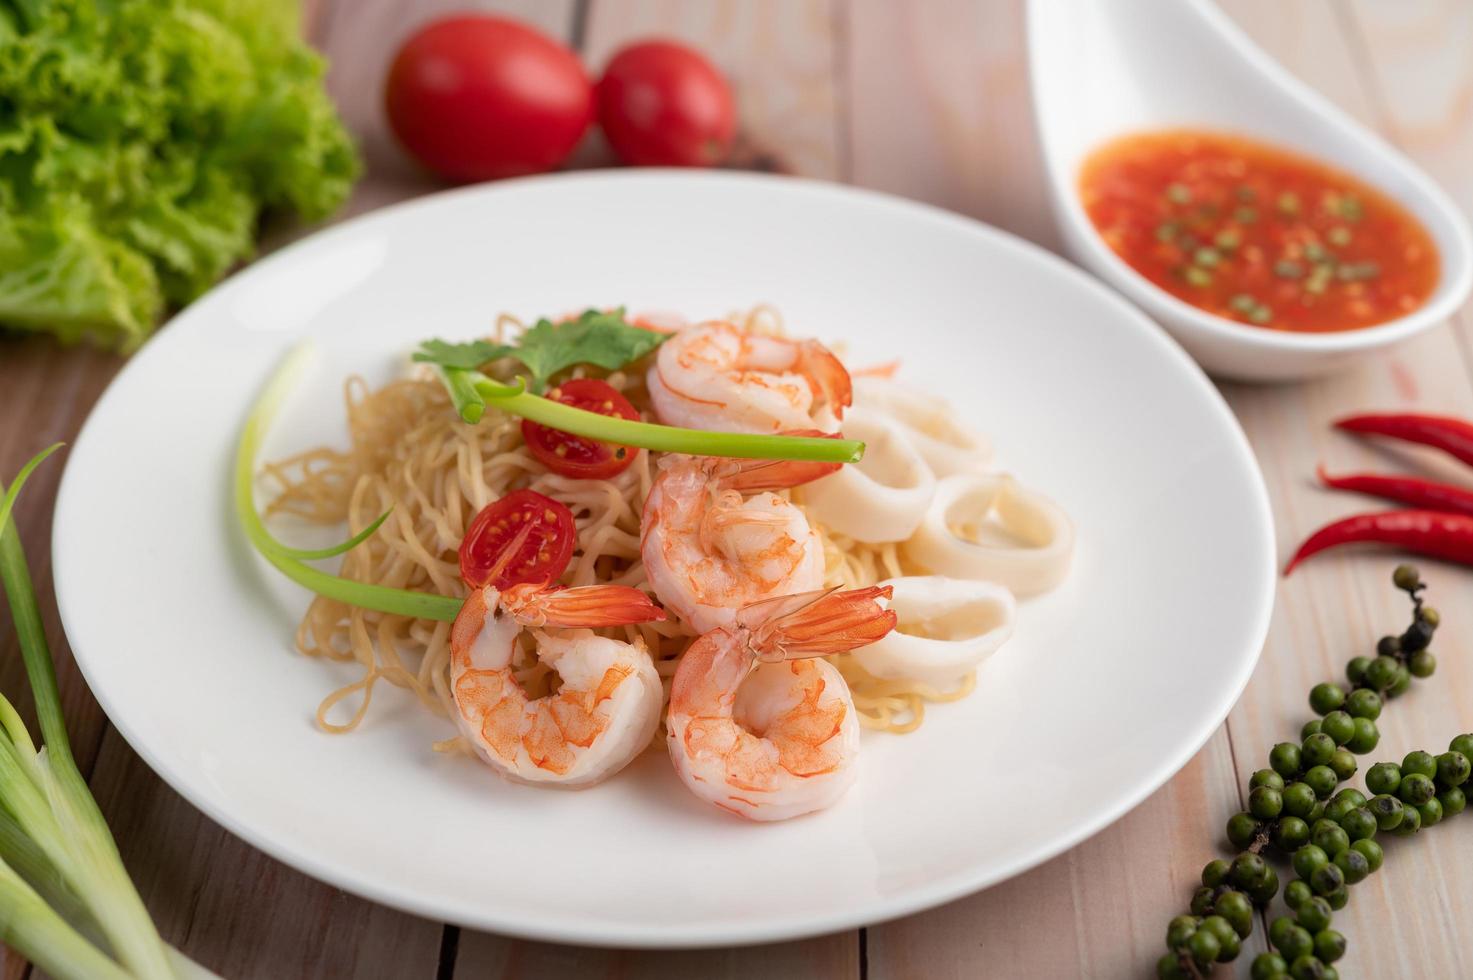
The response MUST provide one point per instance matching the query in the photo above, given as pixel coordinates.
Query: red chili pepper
(1426, 532)
(1452, 436)
(1423, 494)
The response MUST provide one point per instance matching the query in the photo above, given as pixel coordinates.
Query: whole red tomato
(663, 104)
(474, 97)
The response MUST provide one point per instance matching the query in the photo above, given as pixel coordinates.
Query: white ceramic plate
(1109, 687)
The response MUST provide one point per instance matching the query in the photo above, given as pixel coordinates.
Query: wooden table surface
(928, 100)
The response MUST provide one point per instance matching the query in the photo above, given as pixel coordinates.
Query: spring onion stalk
(22, 854)
(7, 499)
(43, 936)
(48, 799)
(14, 725)
(289, 561)
(471, 390)
(313, 554)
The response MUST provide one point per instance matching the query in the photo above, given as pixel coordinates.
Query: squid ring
(944, 628)
(881, 498)
(930, 424)
(950, 539)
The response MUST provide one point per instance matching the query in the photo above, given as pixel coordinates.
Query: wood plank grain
(1099, 910)
(1307, 38)
(940, 109)
(1419, 58)
(484, 955)
(782, 59)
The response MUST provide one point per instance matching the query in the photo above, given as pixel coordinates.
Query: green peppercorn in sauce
(1257, 234)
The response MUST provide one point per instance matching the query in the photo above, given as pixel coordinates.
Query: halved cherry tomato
(498, 547)
(575, 456)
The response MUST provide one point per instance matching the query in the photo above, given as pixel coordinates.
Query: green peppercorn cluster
(1420, 792)
(1293, 805)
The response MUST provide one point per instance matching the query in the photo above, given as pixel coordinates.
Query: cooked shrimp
(709, 548)
(757, 728)
(717, 376)
(604, 714)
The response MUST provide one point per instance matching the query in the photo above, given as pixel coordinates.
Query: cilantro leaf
(468, 356)
(602, 339)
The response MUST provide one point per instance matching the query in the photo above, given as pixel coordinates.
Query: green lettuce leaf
(140, 143)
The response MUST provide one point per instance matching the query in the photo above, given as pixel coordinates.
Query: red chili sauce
(1257, 234)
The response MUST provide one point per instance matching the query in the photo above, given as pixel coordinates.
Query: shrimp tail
(748, 476)
(587, 606)
(827, 376)
(816, 624)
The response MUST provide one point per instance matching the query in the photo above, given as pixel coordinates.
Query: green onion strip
(398, 602)
(471, 390)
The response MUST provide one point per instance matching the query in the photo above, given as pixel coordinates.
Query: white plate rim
(937, 892)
